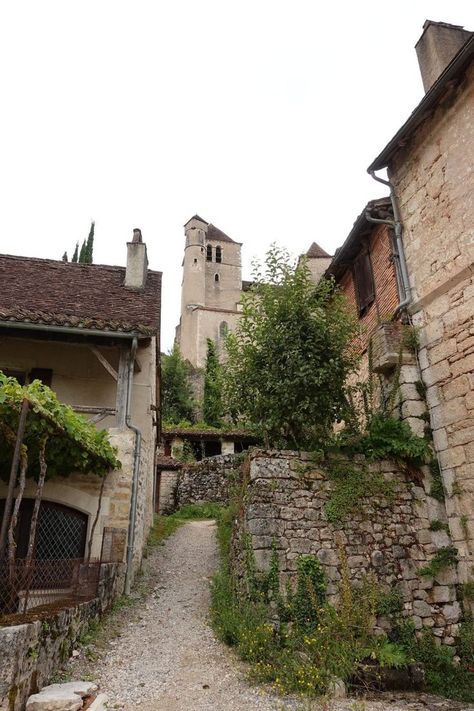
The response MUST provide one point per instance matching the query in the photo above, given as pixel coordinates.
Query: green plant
(438, 526)
(310, 592)
(212, 403)
(291, 346)
(437, 488)
(421, 389)
(467, 591)
(443, 558)
(389, 604)
(177, 400)
(410, 338)
(165, 525)
(352, 484)
(463, 521)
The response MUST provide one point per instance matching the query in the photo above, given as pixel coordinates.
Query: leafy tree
(212, 405)
(177, 401)
(75, 256)
(289, 357)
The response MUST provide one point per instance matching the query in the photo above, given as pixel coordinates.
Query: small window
(18, 374)
(195, 261)
(43, 374)
(364, 282)
(218, 255)
(216, 277)
(209, 253)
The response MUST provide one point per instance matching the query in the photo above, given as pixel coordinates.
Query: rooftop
(315, 251)
(88, 296)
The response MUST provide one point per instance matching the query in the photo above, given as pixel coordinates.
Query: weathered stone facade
(284, 505)
(209, 480)
(30, 653)
(434, 184)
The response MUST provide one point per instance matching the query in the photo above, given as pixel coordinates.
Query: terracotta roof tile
(79, 295)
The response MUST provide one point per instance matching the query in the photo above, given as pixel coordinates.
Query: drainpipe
(136, 469)
(399, 252)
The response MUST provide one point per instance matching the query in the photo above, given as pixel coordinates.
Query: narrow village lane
(166, 657)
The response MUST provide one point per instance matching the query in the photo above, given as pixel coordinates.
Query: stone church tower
(210, 290)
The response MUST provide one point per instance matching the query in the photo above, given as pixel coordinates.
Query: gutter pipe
(399, 252)
(136, 468)
(20, 325)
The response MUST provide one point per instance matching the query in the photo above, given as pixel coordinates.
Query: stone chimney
(437, 46)
(137, 262)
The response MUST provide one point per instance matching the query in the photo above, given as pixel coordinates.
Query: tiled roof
(215, 234)
(165, 462)
(316, 251)
(78, 295)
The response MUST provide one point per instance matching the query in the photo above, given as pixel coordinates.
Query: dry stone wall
(284, 501)
(208, 480)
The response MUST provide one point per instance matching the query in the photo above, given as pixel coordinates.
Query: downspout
(399, 252)
(136, 469)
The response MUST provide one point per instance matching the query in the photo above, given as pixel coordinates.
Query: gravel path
(166, 658)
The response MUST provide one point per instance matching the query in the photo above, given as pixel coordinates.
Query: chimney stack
(137, 262)
(437, 46)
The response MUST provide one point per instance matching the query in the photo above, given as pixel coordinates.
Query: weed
(438, 525)
(443, 558)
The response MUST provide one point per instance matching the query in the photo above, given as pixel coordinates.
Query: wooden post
(122, 388)
(13, 475)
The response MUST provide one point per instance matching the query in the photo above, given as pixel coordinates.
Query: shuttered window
(364, 281)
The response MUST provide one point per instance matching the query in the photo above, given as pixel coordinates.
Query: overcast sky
(260, 115)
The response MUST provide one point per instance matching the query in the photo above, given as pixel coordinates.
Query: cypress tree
(177, 400)
(82, 253)
(212, 405)
(90, 245)
(64, 257)
(75, 256)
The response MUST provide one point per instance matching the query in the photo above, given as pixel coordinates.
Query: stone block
(56, 700)
(442, 593)
(452, 612)
(421, 608)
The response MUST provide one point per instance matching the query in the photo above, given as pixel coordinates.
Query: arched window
(218, 255)
(216, 277)
(223, 329)
(209, 253)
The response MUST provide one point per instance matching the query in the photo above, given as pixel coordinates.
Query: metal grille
(29, 588)
(61, 533)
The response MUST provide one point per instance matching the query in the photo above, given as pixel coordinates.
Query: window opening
(209, 253)
(364, 281)
(223, 329)
(216, 277)
(218, 255)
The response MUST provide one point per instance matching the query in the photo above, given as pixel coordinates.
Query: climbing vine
(68, 442)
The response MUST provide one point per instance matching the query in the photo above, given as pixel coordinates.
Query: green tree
(177, 400)
(75, 256)
(64, 257)
(290, 355)
(89, 250)
(82, 253)
(212, 405)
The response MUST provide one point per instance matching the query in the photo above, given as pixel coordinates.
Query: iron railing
(35, 586)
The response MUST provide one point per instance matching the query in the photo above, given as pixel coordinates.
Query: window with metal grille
(218, 255)
(61, 531)
(209, 253)
(364, 281)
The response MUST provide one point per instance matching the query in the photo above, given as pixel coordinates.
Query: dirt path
(165, 657)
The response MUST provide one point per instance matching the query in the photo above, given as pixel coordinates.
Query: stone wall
(30, 653)
(434, 183)
(208, 480)
(284, 505)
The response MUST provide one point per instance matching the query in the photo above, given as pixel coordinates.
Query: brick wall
(386, 292)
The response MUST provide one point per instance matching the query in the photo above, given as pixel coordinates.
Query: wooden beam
(103, 361)
(122, 388)
(94, 409)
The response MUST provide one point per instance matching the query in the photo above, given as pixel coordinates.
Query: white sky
(262, 116)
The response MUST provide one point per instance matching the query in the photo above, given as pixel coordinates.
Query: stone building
(91, 332)
(210, 289)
